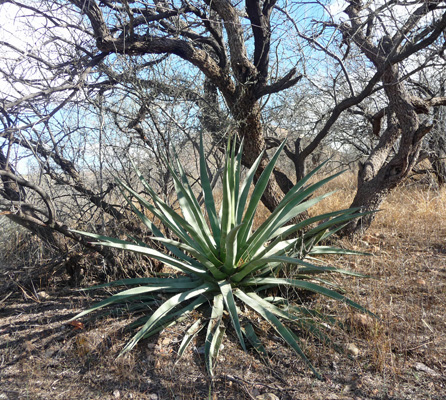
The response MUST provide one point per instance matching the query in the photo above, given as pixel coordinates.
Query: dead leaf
(77, 325)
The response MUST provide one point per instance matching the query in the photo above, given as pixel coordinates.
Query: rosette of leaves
(223, 265)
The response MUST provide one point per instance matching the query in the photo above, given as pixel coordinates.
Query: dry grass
(408, 242)
(401, 356)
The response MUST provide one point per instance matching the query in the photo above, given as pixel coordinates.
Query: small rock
(424, 368)
(43, 295)
(116, 394)
(352, 349)
(371, 239)
(153, 396)
(49, 352)
(347, 388)
(267, 396)
(363, 321)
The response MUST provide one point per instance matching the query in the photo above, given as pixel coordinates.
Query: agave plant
(222, 263)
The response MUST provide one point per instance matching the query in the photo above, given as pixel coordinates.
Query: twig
(425, 343)
(241, 382)
(27, 296)
(238, 380)
(2, 300)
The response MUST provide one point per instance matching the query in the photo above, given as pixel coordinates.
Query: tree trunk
(369, 197)
(379, 175)
(248, 116)
(439, 166)
(437, 157)
(437, 145)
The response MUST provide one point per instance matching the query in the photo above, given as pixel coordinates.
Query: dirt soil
(402, 356)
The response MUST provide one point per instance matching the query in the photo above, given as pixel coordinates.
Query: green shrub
(222, 262)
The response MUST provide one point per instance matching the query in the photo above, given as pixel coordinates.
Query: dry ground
(403, 356)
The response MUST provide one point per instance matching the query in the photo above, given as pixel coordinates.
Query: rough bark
(437, 157)
(247, 114)
(383, 171)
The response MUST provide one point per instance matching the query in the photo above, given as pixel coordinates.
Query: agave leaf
(326, 282)
(237, 172)
(312, 287)
(126, 294)
(317, 250)
(191, 209)
(265, 231)
(216, 273)
(147, 281)
(259, 188)
(162, 311)
(184, 180)
(173, 262)
(123, 244)
(215, 346)
(226, 290)
(303, 323)
(299, 186)
(277, 249)
(255, 265)
(244, 190)
(154, 229)
(320, 270)
(281, 329)
(231, 249)
(213, 342)
(146, 221)
(228, 202)
(137, 241)
(284, 211)
(174, 221)
(339, 221)
(255, 342)
(286, 231)
(271, 307)
(163, 212)
(288, 208)
(101, 237)
(311, 242)
(134, 304)
(164, 324)
(188, 337)
(176, 315)
(208, 196)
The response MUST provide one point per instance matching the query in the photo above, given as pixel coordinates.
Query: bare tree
(387, 42)
(107, 81)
